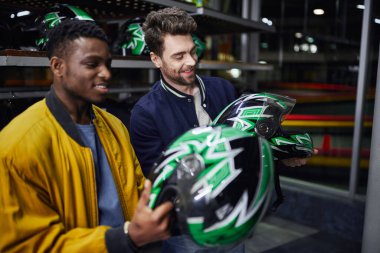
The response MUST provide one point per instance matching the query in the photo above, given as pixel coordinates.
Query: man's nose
(191, 60)
(105, 72)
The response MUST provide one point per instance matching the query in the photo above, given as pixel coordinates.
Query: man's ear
(57, 66)
(156, 60)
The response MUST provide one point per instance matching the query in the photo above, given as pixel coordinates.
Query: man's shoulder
(102, 112)
(151, 98)
(34, 123)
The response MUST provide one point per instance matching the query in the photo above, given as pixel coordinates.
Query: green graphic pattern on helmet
(296, 139)
(54, 16)
(275, 98)
(262, 114)
(243, 120)
(228, 234)
(223, 157)
(200, 46)
(240, 222)
(80, 14)
(210, 143)
(137, 44)
(41, 41)
(248, 116)
(52, 19)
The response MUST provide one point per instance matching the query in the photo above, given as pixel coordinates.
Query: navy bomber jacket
(165, 113)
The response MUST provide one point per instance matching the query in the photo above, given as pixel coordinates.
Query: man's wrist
(119, 242)
(126, 232)
(126, 226)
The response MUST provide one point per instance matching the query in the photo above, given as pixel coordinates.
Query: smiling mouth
(189, 71)
(101, 86)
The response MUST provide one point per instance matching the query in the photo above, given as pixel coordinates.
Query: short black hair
(69, 30)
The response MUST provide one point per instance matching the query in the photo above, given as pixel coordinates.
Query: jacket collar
(168, 88)
(61, 114)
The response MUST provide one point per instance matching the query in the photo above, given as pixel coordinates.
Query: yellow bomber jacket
(48, 200)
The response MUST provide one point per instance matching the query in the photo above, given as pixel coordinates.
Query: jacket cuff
(119, 242)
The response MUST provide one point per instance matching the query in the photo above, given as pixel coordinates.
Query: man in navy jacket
(166, 112)
(180, 100)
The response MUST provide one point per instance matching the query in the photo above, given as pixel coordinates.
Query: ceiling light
(304, 47)
(310, 39)
(313, 48)
(235, 73)
(377, 21)
(23, 13)
(267, 21)
(318, 11)
(298, 35)
(360, 6)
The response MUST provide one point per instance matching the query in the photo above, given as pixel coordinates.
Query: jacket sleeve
(29, 223)
(145, 138)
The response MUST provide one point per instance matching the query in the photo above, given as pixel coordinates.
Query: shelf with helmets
(28, 33)
(19, 48)
(209, 21)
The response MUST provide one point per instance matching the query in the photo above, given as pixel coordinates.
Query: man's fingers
(162, 210)
(294, 162)
(166, 226)
(144, 199)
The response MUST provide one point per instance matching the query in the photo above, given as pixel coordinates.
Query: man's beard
(182, 81)
(177, 78)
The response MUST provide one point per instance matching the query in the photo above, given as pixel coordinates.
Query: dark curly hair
(61, 35)
(172, 21)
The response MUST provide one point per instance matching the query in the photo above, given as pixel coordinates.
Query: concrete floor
(277, 235)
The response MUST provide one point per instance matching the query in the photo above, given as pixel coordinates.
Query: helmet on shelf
(200, 46)
(219, 179)
(262, 114)
(54, 16)
(130, 40)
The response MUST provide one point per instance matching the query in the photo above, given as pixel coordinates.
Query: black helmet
(130, 40)
(54, 16)
(220, 180)
(262, 114)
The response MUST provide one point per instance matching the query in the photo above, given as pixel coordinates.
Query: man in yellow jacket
(69, 178)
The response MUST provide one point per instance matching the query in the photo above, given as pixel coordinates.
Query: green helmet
(200, 46)
(130, 40)
(262, 114)
(53, 16)
(220, 181)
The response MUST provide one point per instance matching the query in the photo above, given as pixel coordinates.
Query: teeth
(101, 86)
